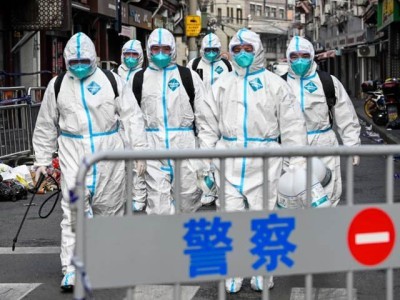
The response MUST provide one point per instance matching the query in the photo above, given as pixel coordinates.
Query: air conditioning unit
(366, 51)
(327, 9)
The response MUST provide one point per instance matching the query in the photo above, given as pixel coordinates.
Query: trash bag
(394, 124)
(18, 189)
(380, 117)
(6, 193)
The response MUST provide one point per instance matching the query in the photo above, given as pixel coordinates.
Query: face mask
(301, 66)
(81, 70)
(244, 59)
(161, 60)
(131, 62)
(211, 56)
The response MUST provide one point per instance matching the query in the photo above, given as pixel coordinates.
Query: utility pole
(192, 40)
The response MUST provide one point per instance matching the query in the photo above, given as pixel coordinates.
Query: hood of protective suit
(211, 40)
(300, 44)
(133, 45)
(161, 36)
(246, 36)
(80, 46)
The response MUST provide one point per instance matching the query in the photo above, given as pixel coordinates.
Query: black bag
(6, 193)
(380, 117)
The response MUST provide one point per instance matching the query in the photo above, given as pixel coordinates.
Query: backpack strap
(57, 84)
(227, 63)
(112, 80)
(187, 81)
(329, 91)
(137, 84)
(195, 64)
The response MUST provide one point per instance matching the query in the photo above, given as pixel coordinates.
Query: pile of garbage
(16, 182)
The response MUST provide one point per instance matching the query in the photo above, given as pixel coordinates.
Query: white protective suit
(123, 70)
(169, 124)
(252, 108)
(211, 70)
(139, 185)
(88, 116)
(310, 94)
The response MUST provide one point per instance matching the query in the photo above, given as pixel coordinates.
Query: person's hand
(356, 160)
(140, 167)
(40, 170)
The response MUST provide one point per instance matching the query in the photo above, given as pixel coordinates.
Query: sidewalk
(389, 136)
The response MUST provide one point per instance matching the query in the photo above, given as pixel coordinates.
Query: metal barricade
(106, 243)
(15, 135)
(36, 94)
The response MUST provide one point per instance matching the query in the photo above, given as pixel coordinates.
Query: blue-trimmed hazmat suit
(89, 118)
(310, 95)
(252, 108)
(169, 121)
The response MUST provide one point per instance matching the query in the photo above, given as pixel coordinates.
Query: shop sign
(139, 17)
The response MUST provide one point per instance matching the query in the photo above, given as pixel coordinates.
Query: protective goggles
(296, 55)
(133, 54)
(82, 61)
(155, 49)
(245, 47)
(208, 50)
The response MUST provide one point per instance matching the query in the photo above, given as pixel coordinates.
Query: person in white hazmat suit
(307, 87)
(213, 66)
(211, 62)
(132, 62)
(131, 59)
(169, 120)
(251, 109)
(88, 117)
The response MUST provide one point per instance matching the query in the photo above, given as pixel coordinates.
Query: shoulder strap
(329, 91)
(195, 64)
(227, 63)
(57, 84)
(187, 81)
(137, 84)
(112, 80)
(284, 76)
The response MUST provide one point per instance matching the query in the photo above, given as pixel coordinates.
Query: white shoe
(233, 285)
(256, 283)
(207, 199)
(138, 206)
(68, 282)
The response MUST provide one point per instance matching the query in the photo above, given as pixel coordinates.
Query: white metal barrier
(241, 234)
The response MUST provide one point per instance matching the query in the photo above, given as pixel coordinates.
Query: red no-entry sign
(371, 236)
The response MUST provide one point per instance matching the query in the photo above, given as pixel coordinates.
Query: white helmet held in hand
(292, 190)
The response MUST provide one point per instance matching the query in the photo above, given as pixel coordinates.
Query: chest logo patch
(311, 87)
(256, 84)
(173, 84)
(219, 70)
(93, 88)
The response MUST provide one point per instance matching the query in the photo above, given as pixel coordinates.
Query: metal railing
(344, 263)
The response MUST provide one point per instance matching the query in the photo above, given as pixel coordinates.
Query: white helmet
(292, 190)
(321, 171)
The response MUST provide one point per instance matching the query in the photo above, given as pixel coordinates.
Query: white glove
(40, 170)
(140, 167)
(356, 160)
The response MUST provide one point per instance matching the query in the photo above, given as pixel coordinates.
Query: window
(273, 12)
(258, 10)
(212, 7)
(219, 16)
(267, 11)
(282, 13)
(253, 9)
(232, 14)
(239, 15)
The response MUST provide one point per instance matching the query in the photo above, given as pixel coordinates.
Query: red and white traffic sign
(371, 236)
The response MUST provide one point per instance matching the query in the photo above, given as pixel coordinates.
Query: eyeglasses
(208, 50)
(83, 61)
(246, 47)
(131, 54)
(157, 48)
(296, 55)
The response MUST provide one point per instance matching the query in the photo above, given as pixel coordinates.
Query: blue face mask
(131, 62)
(211, 56)
(301, 66)
(161, 60)
(244, 59)
(81, 70)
